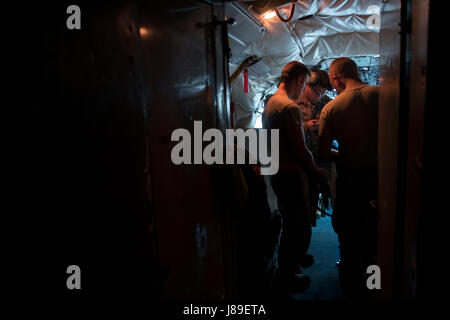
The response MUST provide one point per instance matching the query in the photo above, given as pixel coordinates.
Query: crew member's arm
(326, 136)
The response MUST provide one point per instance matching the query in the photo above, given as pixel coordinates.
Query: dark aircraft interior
(106, 85)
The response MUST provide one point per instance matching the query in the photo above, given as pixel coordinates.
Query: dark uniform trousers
(355, 221)
(292, 191)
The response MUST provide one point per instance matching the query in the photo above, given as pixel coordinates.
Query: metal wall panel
(180, 74)
(388, 128)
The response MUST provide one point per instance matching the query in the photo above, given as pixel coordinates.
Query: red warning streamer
(246, 81)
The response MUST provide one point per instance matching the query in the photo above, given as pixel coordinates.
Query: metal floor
(324, 272)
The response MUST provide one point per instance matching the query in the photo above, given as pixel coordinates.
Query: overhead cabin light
(270, 8)
(263, 6)
(269, 14)
(144, 32)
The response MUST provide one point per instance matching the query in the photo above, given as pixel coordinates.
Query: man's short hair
(294, 70)
(347, 67)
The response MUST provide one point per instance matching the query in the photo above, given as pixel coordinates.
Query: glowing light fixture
(145, 32)
(269, 14)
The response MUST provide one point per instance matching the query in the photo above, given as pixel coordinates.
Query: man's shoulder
(280, 99)
(371, 89)
(329, 106)
(280, 103)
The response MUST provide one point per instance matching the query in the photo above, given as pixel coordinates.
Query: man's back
(285, 115)
(352, 119)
